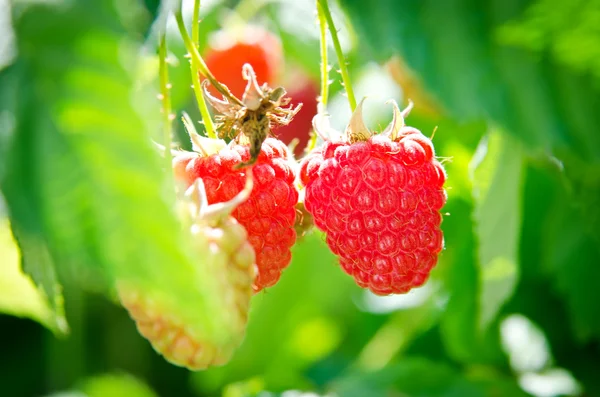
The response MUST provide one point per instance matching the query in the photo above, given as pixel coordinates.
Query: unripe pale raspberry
(378, 200)
(269, 214)
(221, 244)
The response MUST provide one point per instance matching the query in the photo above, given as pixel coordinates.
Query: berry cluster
(376, 196)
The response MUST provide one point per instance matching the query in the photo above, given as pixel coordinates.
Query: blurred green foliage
(20, 296)
(512, 303)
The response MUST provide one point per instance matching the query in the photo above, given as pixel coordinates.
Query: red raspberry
(269, 214)
(229, 51)
(378, 200)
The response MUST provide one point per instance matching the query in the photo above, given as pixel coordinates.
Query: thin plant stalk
(340, 54)
(199, 64)
(196, 23)
(324, 95)
(202, 106)
(165, 96)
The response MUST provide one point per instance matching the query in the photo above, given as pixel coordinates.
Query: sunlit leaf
(113, 385)
(82, 176)
(568, 30)
(68, 394)
(497, 179)
(19, 296)
(117, 385)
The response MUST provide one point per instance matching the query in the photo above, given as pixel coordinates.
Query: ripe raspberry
(226, 256)
(269, 214)
(378, 199)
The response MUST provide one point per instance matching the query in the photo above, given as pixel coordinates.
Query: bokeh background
(512, 308)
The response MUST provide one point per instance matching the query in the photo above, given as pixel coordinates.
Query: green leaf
(115, 385)
(8, 90)
(546, 293)
(462, 61)
(567, 30)
(33, 247)
(560, 251)
(571, 257)
(420, 377)
(81, 174)
(497, 173)
(463, 339)
(18, 294)
(68, 394)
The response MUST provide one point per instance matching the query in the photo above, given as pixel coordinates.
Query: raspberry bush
(96, 246)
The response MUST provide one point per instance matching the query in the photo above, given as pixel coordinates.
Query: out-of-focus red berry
(228, 52)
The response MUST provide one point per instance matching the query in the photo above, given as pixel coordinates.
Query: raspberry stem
(165, 96)
(199, 64)
(324, 95)
(196, 23)
(324, 6)
(324, 66)
(206, 119)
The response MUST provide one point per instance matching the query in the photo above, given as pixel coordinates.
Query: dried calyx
(357, 131)
(262, 108)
